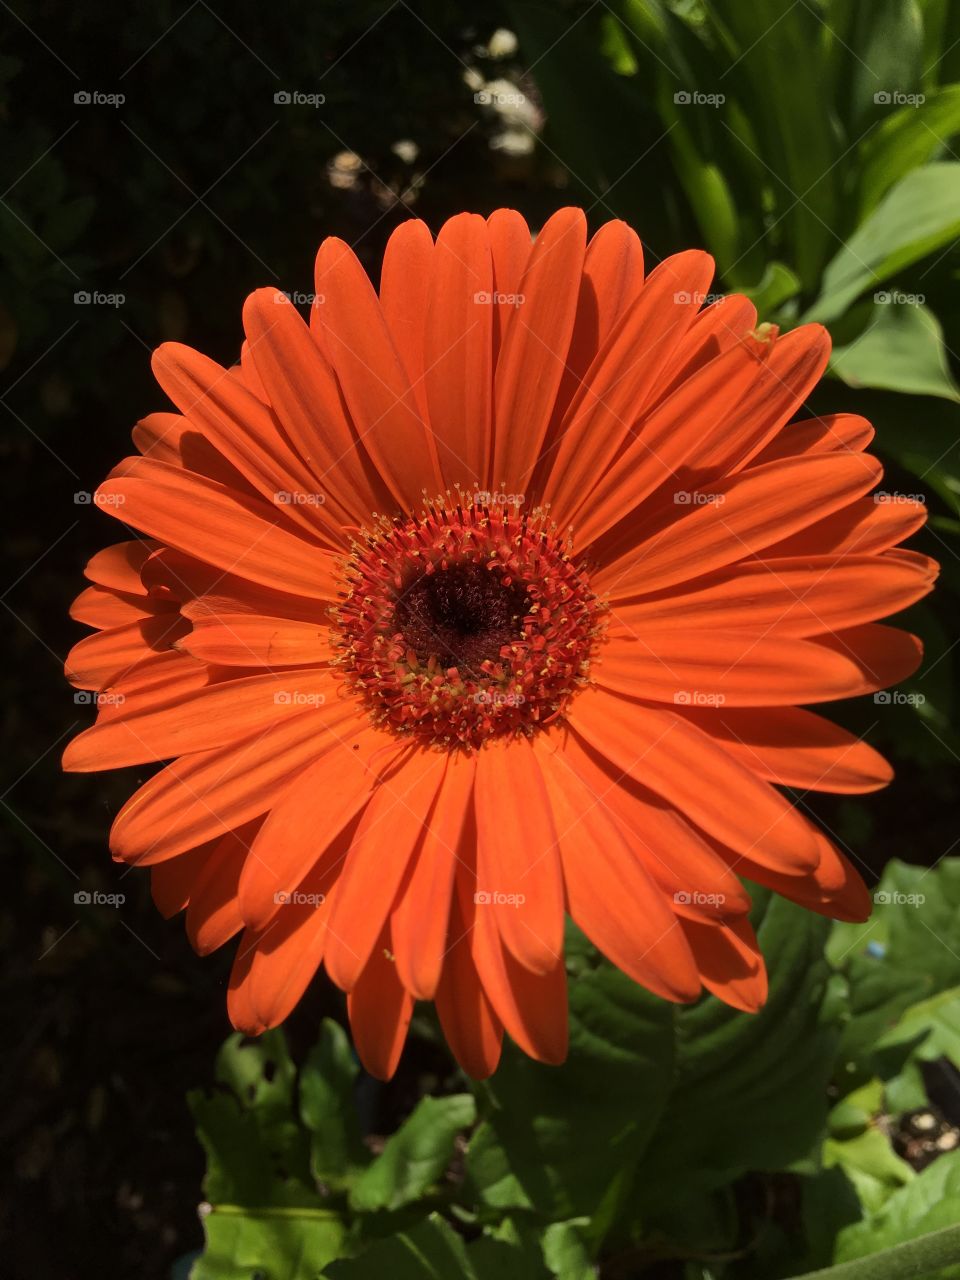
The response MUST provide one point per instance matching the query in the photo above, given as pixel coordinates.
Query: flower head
(487, 600)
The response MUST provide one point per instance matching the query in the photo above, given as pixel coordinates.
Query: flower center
(466, 623)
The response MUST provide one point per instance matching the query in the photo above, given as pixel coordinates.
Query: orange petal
(309, 403)
(171, 438)
(844, 432)
(720, 325)
(109, 656)
(472, 1028)
(518, 878)
(794, 748)
(794, 596)
(208, 718)
(865, 526)
(534, 347)
(834, 888)
(623, 374)
(239, 535)
(735, 668)
(288, 953)
(681, 862)
(691, 771)
(97, 607)
(210, 794)
(788, 371)
(531, 1006)
(667, 438)
(405, 283)
(303, 824)
(612, 279)
(748, 512)
(458, 335)
(245, 431)
(730, 962)
(401, 807)
(609, 893)
(118, 567)
(419, 924)
(510, 246)
(173, 882)
(213, 914)
(249, 640)
(380, 1011)
(374, 382)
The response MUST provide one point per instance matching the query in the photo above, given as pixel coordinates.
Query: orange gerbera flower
(490, 599)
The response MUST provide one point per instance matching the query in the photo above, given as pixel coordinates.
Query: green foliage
(640, 1148)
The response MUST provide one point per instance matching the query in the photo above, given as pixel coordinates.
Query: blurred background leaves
(812, 147)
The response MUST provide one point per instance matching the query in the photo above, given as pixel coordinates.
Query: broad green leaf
(414, 1157)
(265, 1220)
(886, 54)
(871, 1164)
(328, 1108)
(268, 1244)
(777, 285)
(565, 1139)
(257, 1153)
(927, 1203)
(901, 349)
(565, 1252)
(904, 954)
(917, 216)
(432, 1250)
(750, 1090)
(908, 138)
(927, 1031)
(776, 53)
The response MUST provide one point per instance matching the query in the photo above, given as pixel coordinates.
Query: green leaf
(257, 1154)
(901, 349)
(750, 1090)
(414, 1157)
(927, 1203)
(430, 1251)
(328, 1108)
(777, 285)
(565, 1251)
(566, 1139)
(776, 53)
(907, 139)
(267, 1244)
(904, 954)
(265, 1220)
(917, 216)
(887, 49)
(928, 1030)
